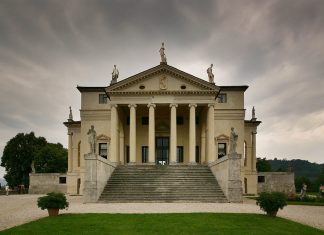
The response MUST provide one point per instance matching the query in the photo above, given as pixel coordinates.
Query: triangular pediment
(162, 78)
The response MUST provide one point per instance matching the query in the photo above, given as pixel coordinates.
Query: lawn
(132, 224)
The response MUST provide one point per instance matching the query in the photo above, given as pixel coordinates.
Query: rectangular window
(179, 154)
(221, 150)
(62, 180)
(144, 154)
(179, 120)
(222, 98)
(261, 178)
(103, 150)
(145, 121)
(103, 99)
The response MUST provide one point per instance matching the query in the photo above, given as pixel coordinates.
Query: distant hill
(300, 167)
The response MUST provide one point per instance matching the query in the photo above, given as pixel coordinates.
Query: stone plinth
(90, 178)
(235, 192)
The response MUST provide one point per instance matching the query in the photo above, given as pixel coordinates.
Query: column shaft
(132, 134)
(192, 134)
(210, 134)
(70, 153)
(253, 159)
(173, 134)
(113, 133)
(151, 134)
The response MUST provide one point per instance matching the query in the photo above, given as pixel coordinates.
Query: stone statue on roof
(162, 54)
(210, 74)
(115, 74)
(70, 115)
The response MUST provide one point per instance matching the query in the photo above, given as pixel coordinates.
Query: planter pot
(272, 213)
(53, 211)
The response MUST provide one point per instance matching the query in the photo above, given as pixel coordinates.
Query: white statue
(163, 83)
(92, 135)
(233, 141)
(253, 113)
(210, 74)
(70, 115)
(115, 74)
(162, 54)
(33, 167)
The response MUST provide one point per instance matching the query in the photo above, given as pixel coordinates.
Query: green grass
(132, 224)
(305, 203)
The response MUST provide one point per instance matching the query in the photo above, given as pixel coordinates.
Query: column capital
(192, 105)
(132, 105)
(211, 105)
(151, 105)
(173, 105)
(114, 105)
(253, 132)
(70, 133)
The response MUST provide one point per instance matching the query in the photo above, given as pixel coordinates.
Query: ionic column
(113, 133)
(132, 134)
(70, 152)
(253, 160)
(203, 143)
(151, 134)
(173, 134)
(210, 134)
(192, 134)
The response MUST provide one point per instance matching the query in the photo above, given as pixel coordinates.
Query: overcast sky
(47, 48)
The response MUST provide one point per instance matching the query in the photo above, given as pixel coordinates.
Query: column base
(131, 163)
(192, 163)
(173, 163)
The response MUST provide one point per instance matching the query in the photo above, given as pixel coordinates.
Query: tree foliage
(21, 150)
(263, 165)
(52, 158)
(18, 155)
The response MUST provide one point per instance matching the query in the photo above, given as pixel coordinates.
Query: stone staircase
(162, 184)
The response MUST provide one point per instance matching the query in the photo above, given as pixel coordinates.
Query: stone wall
(97, 172)
(42, 183)
(227, 171)
(276, 182)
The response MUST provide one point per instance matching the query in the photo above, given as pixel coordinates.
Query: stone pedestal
(90, 178)
(235, 192)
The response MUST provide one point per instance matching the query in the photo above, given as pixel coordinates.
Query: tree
(18, 155)
(263, 165)
(52, 158)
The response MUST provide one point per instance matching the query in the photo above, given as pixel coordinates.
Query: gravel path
(20, 209)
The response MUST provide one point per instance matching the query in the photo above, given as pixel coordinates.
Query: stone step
(162, 184)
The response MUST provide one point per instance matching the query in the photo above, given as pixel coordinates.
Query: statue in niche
(210, 74)
(92, 134)
(163, 83)
(162, 54)
(115, 74)
(233, 141)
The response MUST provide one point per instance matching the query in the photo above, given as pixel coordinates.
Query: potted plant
(272, 202)
(53, 202)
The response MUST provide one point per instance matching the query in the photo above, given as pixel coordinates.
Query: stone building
(161, 116)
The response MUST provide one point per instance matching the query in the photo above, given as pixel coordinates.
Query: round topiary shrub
(272, 202)
(53, 202)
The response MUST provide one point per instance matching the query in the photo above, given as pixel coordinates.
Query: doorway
(162, 150)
